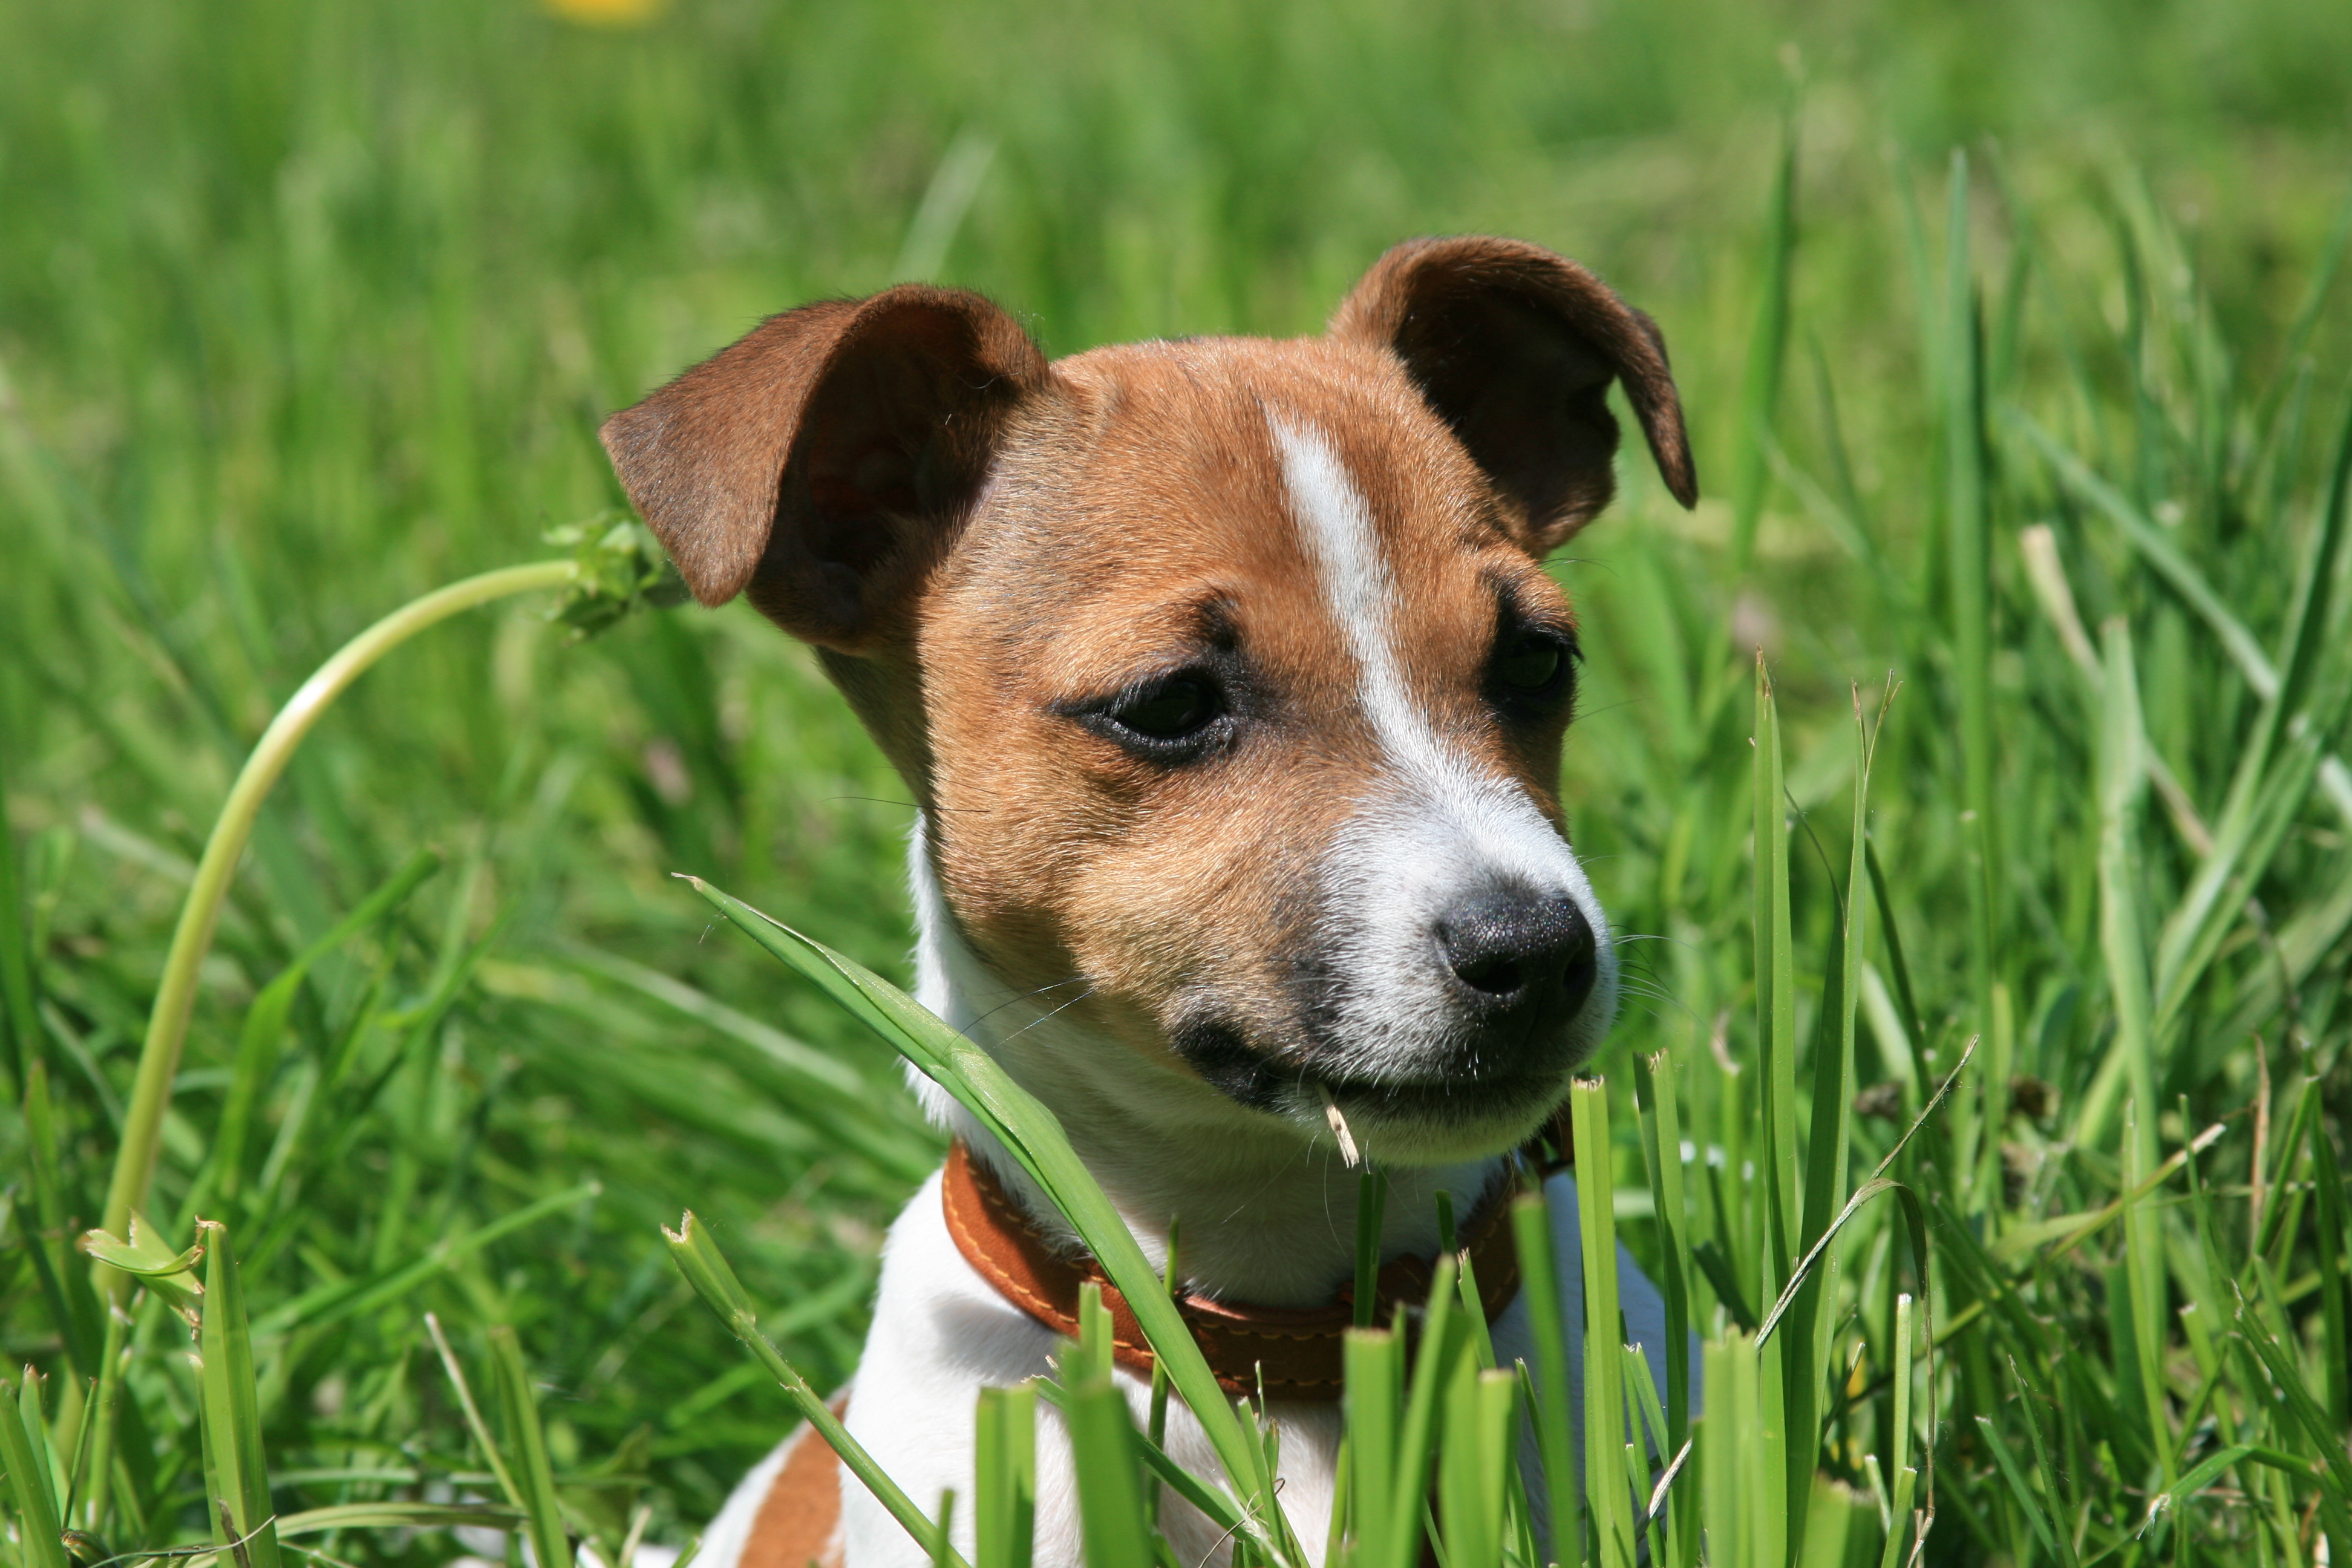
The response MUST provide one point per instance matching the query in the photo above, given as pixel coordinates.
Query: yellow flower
(607, 12)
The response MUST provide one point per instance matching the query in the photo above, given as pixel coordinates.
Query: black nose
(1513, 953)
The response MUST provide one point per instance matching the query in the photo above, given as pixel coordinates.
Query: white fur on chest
(942, 1333)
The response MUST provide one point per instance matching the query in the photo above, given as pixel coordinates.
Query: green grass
(307, 311)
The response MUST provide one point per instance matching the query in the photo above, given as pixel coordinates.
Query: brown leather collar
(1295, 1352)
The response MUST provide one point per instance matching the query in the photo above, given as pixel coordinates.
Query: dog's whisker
(1664, 998)
(1025, 995)
(1048, 1017)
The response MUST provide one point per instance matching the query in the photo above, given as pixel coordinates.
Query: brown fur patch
(799, 1521)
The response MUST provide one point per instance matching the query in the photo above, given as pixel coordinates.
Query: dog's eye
(1176, 708)
(1530, 664)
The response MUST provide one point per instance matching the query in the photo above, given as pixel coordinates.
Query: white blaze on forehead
(1354, 573)
(1442, 824)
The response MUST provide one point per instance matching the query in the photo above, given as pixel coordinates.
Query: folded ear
(825, 462)
(1514, 348)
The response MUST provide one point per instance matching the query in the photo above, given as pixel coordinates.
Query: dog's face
(1245, 709)
(1226, 671)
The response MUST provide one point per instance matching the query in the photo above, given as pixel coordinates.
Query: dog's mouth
(1456, 1116)
(1464, 1101)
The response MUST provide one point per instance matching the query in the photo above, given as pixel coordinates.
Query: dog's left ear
(1514, 348)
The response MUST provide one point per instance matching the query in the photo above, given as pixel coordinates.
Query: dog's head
(1226, 671)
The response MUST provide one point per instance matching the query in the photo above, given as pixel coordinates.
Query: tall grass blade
(18, 1016)
(2014, 1474)
(1767, 352)
(1967, 538)
(526, 1447)
(1608, 1489)
(1742, 1479)
(811, 1068)
(2145, 1275)
(1110, 1503)
(1465, 1283)
(94, 1471)
(1781, 1165)
(1443, 1338)
(1830, 1140)
(1649, 1434)
(1475, 1458)
(1897, 1440)
(1776, 990)
(1371, 1395)
(232, 1415)
(481, 1428)
(39, 1529)
(1156, 1427)
(2246, 845)
(943, 1527)
(2332, 1227)
(932, 230)
(392, 1514)
(1004, 1480)
(1662, 1143)
(1538, 1270)
(1891, 933)
(1372, 1206)
(1094, 1348)
(2121, 897)
(2059, 1505)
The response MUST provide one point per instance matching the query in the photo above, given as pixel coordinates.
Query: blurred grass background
(305, 310)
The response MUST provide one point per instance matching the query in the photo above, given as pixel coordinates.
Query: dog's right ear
(825, 462)
(1514, 348)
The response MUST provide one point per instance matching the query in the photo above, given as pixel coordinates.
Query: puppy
(1232, 689)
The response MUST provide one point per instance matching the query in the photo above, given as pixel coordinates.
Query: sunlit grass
(305, 312)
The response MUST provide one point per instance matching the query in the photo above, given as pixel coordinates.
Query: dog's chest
(940, 1334)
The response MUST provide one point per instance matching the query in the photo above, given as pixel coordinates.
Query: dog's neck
(1267, 1215)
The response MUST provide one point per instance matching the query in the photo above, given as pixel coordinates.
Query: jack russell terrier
(1230, 684)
